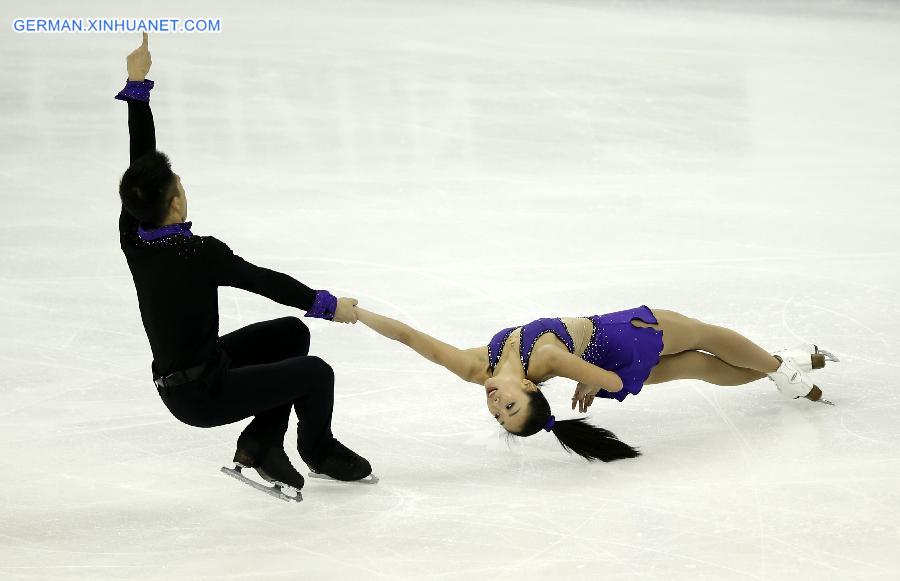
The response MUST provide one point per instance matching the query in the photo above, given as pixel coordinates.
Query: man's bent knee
(295, 325)
(320, 368)
(298, 333)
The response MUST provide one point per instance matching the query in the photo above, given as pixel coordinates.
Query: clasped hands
(345, 312)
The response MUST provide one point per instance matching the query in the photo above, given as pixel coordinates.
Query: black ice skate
(274, 466)
(344, 465)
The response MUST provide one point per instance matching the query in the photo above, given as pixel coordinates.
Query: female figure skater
(609, 356)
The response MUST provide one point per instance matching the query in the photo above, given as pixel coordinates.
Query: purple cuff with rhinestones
(324, 306)
(136, 91)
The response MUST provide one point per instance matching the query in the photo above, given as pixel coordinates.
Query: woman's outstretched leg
(735, 349)
(683, 333)
(702, 366)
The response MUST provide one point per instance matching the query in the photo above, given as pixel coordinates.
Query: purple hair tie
(551, 421)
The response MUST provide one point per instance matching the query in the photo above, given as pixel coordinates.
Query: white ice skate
(793, 383)
(807, 356)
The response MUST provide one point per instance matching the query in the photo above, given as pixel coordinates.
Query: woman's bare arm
(591, 379)
(564, 364)
(463, 363)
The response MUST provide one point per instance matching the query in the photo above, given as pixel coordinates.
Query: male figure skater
(261, 370)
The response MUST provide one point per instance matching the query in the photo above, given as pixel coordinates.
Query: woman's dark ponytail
(578, 436)
(590, 441)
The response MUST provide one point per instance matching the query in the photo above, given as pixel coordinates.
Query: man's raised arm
(137, 94)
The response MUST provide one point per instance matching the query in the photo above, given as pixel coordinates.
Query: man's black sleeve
(141, 133)
(228, 269)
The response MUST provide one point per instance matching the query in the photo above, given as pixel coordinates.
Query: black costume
(261, 370)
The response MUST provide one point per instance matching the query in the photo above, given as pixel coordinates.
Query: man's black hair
(147, 188)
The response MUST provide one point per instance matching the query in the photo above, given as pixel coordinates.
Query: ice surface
(465, 166)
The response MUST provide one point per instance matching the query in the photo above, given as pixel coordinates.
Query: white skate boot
(793, 383)
(807, 356)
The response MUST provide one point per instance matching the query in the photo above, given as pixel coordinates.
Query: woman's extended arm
(463, 363)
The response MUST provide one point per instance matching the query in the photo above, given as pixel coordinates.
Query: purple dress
(615, 345)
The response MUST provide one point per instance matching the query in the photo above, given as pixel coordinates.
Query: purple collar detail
(182, 228)
(495, 347)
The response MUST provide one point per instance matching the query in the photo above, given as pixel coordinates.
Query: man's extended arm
(137, 94)
(229, 269)
(141, 131)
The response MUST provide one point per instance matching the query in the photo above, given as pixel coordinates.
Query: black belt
(163, 384)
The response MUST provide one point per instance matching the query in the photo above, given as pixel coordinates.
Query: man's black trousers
(264, 371)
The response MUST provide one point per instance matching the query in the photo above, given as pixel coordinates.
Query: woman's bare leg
(702, 366)
(681, 333)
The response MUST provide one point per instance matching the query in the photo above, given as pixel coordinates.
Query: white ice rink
(465, 166)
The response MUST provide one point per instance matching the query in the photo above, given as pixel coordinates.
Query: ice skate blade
(816, 396)
(829, 356)
(276, 490)
(370, 479)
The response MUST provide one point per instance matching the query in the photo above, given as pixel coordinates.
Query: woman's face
(507, 400)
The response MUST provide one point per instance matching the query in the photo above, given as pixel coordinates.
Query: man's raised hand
(139, 62)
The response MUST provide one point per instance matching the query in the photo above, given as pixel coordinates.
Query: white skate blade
(824, 401)
(276, 490)
(829, 356)
(814, 349)
(370, 479)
